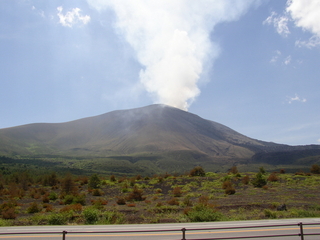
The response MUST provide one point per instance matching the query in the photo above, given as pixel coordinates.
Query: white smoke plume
(172, 41)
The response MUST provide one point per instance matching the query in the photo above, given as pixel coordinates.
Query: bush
(201, 213)
(94, 181)
(136, 195)
(226, 184)
(234, 170)
(57, 219)
(315, 169)
(230, 190)
(112, 217)
(68, 199)
(33, 208)
(177, 192)
(9, 213)
(121, 201)
(173, 201)
(73, 207)
(259, 180)
(97, 192)
(270, 214)
(53, 196)
(273, 177)
(245, 180)
(91, 215)
(112, 178)
(80, 199)
(197, 172)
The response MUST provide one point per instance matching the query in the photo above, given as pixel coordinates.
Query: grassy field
(26, 199)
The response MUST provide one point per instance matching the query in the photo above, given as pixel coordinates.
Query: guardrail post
(301, 230)
(183, 233)
(64, 235)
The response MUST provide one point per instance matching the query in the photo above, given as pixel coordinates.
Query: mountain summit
(157, 130)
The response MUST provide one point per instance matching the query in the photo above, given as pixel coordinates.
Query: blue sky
(252, 65)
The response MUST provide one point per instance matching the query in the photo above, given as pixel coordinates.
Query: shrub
(203, 200)
(230, 190)
(259, 180)
(197, 172)
(226, 184)
(261, 170)
(273, 177)
(73, 207)
(81, 199)
(245, 180)
(91, 215)
(97, 192)
(48, 207)
(94, 181)
(112, 178)
(177, 192)
(136, 195)
(53, 196)
(187, 201)
(45, 198)
(158, 190)
(270, 214)
(112, 217)
(315, 169)
(234, 170)
(57, 219)
(68, 199)
(202, 213)
(9, 213)
(173, 201)
(121, 201)
(33, 208)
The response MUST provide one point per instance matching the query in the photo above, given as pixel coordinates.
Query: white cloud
(279, 22)
(306, 14)
(72, 17)
(318, 140)
(40, 12)
(296, 98)
(287, 60)
(310, 43)
(275, 57)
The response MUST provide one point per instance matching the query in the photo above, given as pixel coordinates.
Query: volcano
(157, 132)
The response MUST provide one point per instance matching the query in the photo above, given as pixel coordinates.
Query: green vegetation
(53, 199)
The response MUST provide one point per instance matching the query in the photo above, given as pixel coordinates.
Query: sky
(252, 65)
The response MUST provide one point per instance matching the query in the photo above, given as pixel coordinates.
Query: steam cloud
(172, 41)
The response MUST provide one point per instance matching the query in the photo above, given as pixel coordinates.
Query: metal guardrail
(184, 232)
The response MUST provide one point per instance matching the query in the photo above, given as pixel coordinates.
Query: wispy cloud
(296, 98)
(38, 11)
(279, 22)
(72, 17)
(287, 60)
(312, 42)
(275, 56)
(304, 14)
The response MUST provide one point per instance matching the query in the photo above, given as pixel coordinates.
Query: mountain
(157, 132)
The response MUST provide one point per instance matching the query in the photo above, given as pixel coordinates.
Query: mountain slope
(155, 130)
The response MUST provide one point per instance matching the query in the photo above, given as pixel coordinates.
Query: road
(156, 231)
